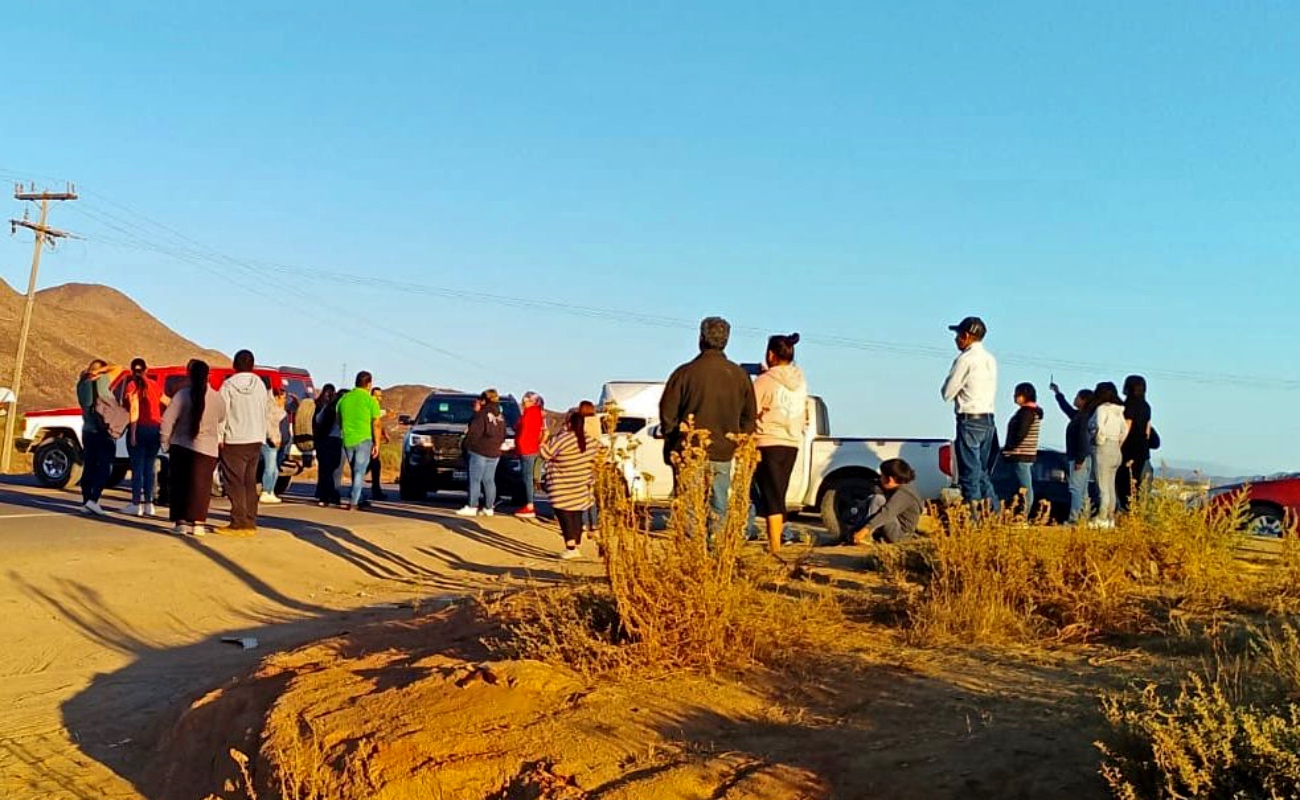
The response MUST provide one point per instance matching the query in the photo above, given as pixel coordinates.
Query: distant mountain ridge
(75, 323)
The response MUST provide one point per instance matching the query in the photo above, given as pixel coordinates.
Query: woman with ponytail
(189, 432)
(782, 396)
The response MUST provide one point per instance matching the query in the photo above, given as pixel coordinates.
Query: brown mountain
(77, 322)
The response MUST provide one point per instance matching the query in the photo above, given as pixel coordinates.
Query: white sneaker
(270, 499)
(180, 529)
(133, 510)
(149, 510)
(571, 555)
(467, 511)
(487, 512)
(199, 530)
(92, 507)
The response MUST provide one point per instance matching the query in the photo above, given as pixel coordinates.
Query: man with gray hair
(719, 395)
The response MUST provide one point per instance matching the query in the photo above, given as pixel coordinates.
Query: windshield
(444, 410)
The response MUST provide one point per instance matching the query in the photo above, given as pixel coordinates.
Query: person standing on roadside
(99, 449)
(191, 431)
(528, 443)
(328, 444)
(144, 402)
(1134, 470)
(1078, 448)
(361, 429)
(1108, 428)
(247, 410)
(971, 386)
(718, 395)
(1021, 447)
(377, 463)
(277, 431)
(595, 433)
(781, 394)
(571, 475)
(483, 442)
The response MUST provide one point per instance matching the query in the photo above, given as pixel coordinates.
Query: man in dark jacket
(1078, 447)
(718, 396)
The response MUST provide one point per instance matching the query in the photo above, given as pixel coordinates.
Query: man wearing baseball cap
(971, 387)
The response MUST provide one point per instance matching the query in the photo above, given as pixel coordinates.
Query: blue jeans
(144, 463)
(482, 480)
(1079, 477)
(272, 458)
(359, 459)
(99, 451)
(974, 451)
(719, 491)
(1025, 480)
(526, 466)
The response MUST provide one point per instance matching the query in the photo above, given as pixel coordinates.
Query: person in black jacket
(718, 394)
(1078, 448)
(329, 446)
(1021, 448)
(1135, 469)
(483, 442)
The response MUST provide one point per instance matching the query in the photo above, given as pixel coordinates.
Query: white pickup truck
(833, 475)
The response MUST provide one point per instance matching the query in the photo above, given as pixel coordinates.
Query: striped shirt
(571, 472)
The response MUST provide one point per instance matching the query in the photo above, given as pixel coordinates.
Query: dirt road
(110, 626)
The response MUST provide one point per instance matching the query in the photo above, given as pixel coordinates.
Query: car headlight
(418, 440)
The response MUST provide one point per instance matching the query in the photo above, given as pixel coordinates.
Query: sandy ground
(112, 626)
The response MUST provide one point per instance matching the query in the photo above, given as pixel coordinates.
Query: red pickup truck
(1273, 502)
(54, 437)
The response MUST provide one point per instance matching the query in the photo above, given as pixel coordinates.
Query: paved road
(111, 626)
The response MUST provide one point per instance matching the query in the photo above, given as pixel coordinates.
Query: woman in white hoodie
(1108, 428)
(782, 398)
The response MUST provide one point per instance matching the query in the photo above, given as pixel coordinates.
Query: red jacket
(528, 438)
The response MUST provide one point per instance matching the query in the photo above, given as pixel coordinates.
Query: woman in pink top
(782, 395)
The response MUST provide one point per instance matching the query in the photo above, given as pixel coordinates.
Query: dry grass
(679, 599)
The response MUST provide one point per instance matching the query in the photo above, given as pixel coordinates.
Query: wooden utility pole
(43, 232)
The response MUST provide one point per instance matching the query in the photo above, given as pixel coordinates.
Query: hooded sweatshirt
(782, 396)
(487, 432)
(247, 409)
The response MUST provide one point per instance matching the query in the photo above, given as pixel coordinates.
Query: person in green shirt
(359, 424)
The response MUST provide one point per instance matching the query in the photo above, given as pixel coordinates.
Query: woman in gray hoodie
(781, 393)
(191, 429)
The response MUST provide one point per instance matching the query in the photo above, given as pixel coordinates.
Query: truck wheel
(118, 474)
(844, 504)
(57, 463)
(1265, 520)
(410, 491)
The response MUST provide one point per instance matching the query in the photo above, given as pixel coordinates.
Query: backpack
(112, 414)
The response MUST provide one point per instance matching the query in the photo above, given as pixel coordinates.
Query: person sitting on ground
(896, 521)
(1021, 447)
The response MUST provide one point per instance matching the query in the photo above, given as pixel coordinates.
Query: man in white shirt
(972, 387)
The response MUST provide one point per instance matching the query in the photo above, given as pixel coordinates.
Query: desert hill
(74, 323)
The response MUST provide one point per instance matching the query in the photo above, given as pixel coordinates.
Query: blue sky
(1113, 188)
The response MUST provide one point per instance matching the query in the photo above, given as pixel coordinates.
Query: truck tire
(410, 491)
(844, 504)
(120, 469)
(57, 463)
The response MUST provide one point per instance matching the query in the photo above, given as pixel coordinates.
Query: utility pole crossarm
(40, 230)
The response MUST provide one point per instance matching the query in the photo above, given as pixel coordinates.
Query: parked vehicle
(1051, 482)
(1273, 502)
(54, 436)
(834, 476)
(433, 450)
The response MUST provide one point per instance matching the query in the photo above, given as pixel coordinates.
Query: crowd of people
(228, 431)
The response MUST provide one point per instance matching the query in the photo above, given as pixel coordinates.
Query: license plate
(459, 475)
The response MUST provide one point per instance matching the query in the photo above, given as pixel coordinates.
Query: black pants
(570, 526)
(772, 478)
(99, 451)
(189, 476)
(376, 479)
(329, 454)
(239, 474)
(1123, 489)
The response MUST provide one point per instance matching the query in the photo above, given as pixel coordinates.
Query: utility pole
(43, 232)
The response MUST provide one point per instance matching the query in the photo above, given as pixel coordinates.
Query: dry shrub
(1230, 732)
(994, 579)
(677, 599)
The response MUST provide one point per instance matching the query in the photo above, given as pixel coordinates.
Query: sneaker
(571, 555)
(467, 511)
(199, 530)
(92, 507)
(133, 510)
(270, 499)
(180, 529)
(527, 512)
(487, 512)
(149, 510)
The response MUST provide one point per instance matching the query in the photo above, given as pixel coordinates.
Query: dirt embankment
(418, 709)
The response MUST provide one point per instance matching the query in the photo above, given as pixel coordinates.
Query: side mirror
(405, 419)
